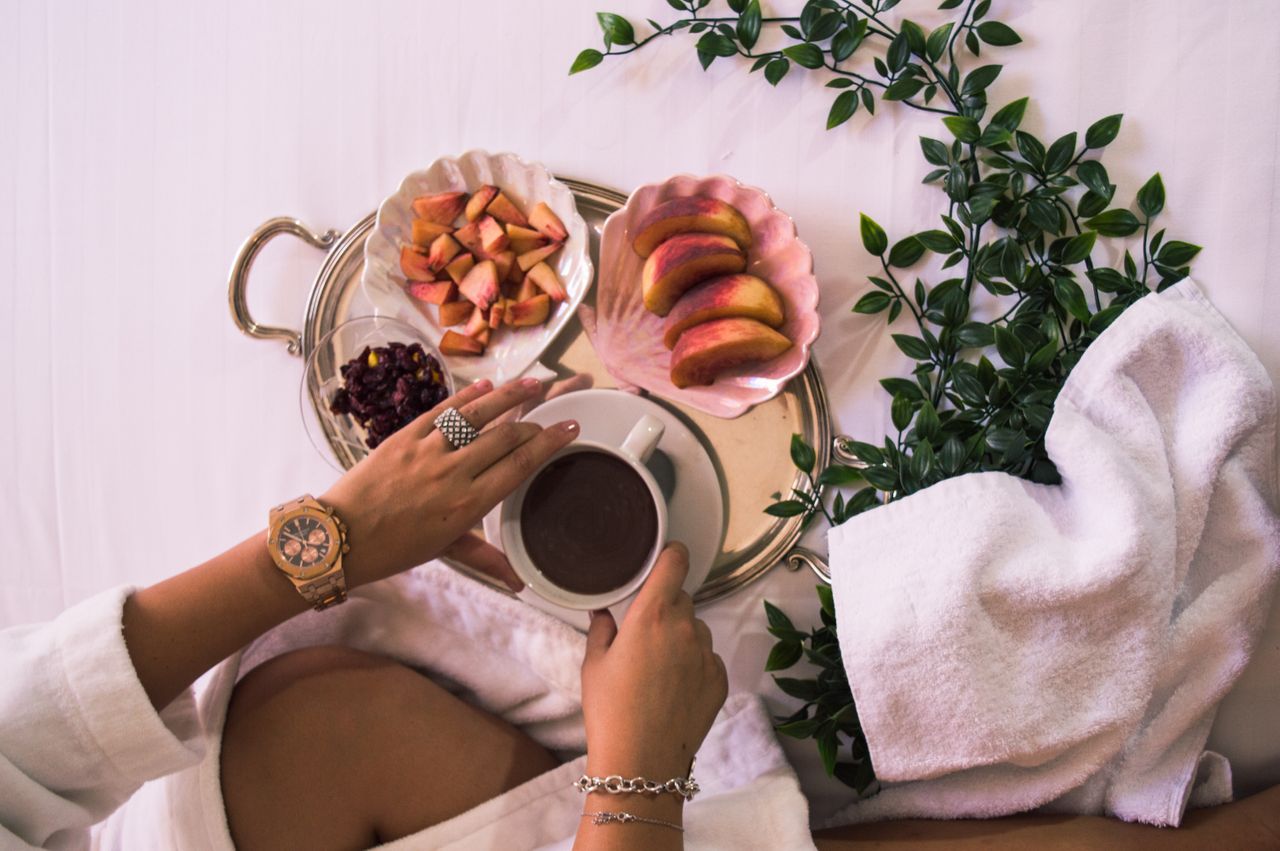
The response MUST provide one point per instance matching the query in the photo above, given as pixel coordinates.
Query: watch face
(305, 544)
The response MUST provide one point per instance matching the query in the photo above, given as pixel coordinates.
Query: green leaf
(1043, 215)
(839, 83)
(997, 34)
(802, 454)
(617, 29)
(826, 598)
(588, 58)
(1060, 154)
(1093, 175)
(749, 24)
(937, 43)
(938, 241)
(1117, 222)
(1103, 318)
(806, 690)
(783, 655)
(825, 26)
(801, 728)
(777, 618)
(872, 302)
(865, 452)
(1078, 248)
(1151, 196)
(902, 89)
(1103, 131)
(1002, 439)
(1071, 297)
(1030, 149)
(905, 252)
(839, 474)
(786, 508)
(912, 347)
(1009, 347)
(827, 750)
(776, 70)
(899, 52)
(900, 412)
(873, 236)
(805, 55)
(927, 423)
(845, 105)
(963, 128)
(1107, 280)
(934, 151)
(915, 36)
(1091, 203)
(979, 78)
(716, 44)
(869, 101)
(975, 335)
(844, 44)
(884, 478)
(1010, 116)
(1177, 253)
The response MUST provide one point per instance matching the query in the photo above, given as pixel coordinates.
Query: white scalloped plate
(513, 350)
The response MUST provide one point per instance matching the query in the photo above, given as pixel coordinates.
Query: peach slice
(506, 262)
(695, 213)
(532, 258)
(705, 351)
(434, 293)
(684, 261)
(492, 237)
(480, 200)
(495, 313)
(443, 249)
(469, 236)
(414, 264)
(453, 343)
(546, 222)
(528, 289)
(532, 312)
(503, 210)
(455, 312)
(459, 267)
(484, 336)
(548, 281)
(425, 232)
(732, 295)
(441, 208)
(480, 285)
(515, 232)
(478, 321)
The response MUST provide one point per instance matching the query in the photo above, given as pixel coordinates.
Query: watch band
(328, 590)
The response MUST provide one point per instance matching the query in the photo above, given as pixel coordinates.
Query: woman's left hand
(415, 497)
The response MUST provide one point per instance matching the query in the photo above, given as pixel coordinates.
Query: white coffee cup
(634, 451)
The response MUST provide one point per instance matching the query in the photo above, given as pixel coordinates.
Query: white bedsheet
(143, 140)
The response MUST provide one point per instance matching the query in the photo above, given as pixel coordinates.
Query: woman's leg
(330, 747)
(1252, 823)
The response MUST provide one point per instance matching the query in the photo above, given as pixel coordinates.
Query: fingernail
(568, 427)
(515, 585)
(483, 384)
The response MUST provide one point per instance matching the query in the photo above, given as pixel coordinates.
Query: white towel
(1013, 645)
(517, 662)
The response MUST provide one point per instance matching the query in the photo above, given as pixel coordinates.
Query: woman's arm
(411, 500)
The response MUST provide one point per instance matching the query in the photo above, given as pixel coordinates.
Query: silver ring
(455, 428)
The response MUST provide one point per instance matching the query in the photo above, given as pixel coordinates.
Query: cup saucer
(695, 504)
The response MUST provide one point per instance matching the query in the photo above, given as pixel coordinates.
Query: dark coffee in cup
(588, 522)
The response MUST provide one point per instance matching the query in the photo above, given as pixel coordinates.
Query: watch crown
(346, 548)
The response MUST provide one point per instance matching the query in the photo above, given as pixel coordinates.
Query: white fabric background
(140, 142)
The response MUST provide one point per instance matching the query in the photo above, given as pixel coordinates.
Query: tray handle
(239, 277)
(801, 557)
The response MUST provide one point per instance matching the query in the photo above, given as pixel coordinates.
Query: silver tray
(750, 453)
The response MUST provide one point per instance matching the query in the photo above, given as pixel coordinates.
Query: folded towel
(514, 661)
(1014, 645)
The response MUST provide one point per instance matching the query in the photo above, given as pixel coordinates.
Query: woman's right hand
(652, 687)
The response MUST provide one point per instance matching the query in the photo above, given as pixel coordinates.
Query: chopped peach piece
(528, 289)
(546, 222)
(503, 210)
(455, 312)
(480, 200)
(453, 343)
(532, 312)
(459, 267)
(434, 293)
(425, 232)
(441, 208)
(532, 258)
(492, 237)
(548, 281)
(414, 264)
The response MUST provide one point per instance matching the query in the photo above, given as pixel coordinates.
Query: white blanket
(1013, 645)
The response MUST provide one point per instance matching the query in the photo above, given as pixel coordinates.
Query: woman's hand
(651, 688)
(415, 497)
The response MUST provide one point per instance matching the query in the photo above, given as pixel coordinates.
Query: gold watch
(307, 541)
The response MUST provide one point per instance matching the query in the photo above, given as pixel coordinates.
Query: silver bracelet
(616, 784)
(627, 818)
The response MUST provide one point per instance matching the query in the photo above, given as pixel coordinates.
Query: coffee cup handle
(643, 439)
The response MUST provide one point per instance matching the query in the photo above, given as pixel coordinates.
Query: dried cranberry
(387, 387)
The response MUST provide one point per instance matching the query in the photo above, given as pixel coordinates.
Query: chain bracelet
(605, 817)
(616, 784)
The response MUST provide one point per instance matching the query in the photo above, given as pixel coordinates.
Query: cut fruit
(515, 232)
(707, 350)
(480, 286)
(414, 264)
(505, 261)
(548, 281)
(478, 321)
(682, 262)
(455, 312)
(692, 214)
(532, 312)
(441, 208)
(492, 237)
(546, 222)
(718, 298)
(495, 313)
(425, 232)
(469, 236)
(443, 249)
(453, 343)
(480, 200)
(528, 289)
(532, 258)
(503, 210)
(434, 293)
(483, 336)
(459, 267)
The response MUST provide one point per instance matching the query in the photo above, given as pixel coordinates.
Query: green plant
(1022, 279)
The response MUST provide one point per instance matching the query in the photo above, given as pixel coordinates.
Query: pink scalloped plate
(628, 337)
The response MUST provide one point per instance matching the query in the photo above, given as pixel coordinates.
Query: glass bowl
(340, 438)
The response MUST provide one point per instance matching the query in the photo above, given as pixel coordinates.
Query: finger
(666, 581)
(503, 477)
(580, 381)
(426, 423)
(484, 410)
(483, 557)
(704, 634)
(600, 634)
(493, 445)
